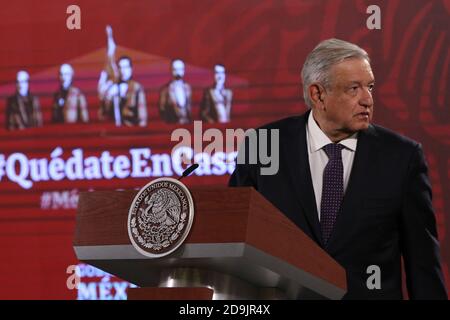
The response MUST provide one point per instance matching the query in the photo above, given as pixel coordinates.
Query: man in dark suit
(122, 98)
(69, 104)
(175, 98)
(216, 102)
(359, 190)
(23, 109)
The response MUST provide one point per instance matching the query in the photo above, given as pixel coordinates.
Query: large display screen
(90, 96)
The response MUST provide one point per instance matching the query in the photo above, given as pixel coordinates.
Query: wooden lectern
(240, 247)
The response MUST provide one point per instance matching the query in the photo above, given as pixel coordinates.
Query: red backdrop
(262, 44)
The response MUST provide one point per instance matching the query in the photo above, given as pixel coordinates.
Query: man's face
(22, 84)
(348, 103)
(219, 75)
(178, 69)
(65, 76)
(125, 69)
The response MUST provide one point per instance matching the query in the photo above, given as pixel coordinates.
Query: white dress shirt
(316, 139)
(180, 93)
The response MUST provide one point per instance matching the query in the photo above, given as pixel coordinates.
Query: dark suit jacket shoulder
(386, 212)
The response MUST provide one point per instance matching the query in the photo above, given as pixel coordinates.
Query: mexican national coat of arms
(160, 217)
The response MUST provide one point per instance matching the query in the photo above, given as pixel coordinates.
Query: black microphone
(188, 171)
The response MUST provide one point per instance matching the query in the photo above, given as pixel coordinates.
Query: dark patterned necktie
(332, 189)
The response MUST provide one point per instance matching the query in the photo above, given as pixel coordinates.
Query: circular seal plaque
(160, 217)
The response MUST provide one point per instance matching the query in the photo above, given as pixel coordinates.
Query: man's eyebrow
(360, 82)
(353, 82)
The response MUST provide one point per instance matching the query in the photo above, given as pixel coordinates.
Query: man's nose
(366, 98)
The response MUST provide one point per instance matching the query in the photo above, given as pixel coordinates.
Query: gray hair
(319, 61)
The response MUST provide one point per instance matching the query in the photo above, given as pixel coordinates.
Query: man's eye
(371, 87)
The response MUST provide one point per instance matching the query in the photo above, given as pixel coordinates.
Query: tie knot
(333, 150)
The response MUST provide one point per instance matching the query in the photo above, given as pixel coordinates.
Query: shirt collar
(318, 139)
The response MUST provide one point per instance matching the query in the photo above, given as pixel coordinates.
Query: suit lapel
(301, 177)
(355, 188)
(171, 90)
(22, 110)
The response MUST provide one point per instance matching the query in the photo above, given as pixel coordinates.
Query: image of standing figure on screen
(70, 104)
(22, 108)
(216, 102)
(122, 98)
(175, 97)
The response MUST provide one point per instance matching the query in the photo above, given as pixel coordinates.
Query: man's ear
(316, 93)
